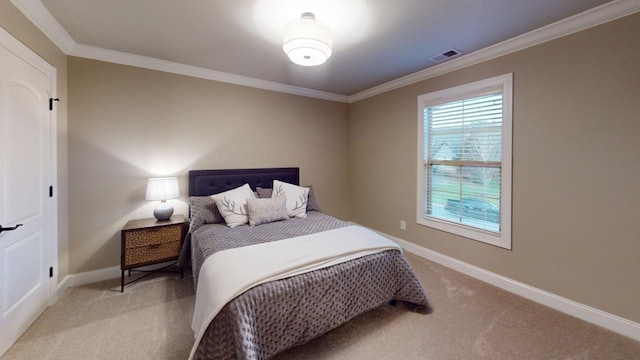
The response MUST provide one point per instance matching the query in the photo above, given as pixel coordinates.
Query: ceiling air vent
(447, 54)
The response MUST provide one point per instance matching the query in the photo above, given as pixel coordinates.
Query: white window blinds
(462, 161)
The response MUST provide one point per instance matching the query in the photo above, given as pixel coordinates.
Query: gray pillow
(312, 203)
(266, 210)
(264, 192)
(203, 210)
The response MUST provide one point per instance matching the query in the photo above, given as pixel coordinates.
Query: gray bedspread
(217, 237)
(278, 315)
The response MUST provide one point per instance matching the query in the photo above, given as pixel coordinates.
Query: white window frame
(505, 83)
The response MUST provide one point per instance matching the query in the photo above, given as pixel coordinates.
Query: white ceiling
(375, 41)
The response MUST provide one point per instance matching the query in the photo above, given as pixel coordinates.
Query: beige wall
(576, 153)
(12, 20)
(576, 165)
(127, 124)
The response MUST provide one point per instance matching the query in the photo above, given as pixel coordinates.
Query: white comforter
(227, 274)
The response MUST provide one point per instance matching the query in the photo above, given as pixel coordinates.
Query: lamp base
(163, 212)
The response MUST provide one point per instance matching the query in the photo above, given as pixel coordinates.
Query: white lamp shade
(306, 41)
(162, 188)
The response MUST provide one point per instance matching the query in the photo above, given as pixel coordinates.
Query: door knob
(9, 228)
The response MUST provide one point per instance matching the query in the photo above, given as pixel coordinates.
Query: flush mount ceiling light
(306, 41)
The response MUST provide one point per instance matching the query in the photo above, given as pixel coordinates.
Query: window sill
(502, 240)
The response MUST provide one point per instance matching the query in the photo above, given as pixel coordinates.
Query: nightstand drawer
(153, 252)
(148, 241)
(152, 236)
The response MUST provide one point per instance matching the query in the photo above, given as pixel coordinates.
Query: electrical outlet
(403, 225)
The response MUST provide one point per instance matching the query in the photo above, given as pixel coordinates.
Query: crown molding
(38, 14)
(117, 57)
(11, 43)
(590, 18)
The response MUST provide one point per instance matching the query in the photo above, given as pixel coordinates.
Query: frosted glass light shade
(306, 41)
(162, 189)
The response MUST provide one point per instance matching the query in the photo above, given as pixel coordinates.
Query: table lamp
(162, 189)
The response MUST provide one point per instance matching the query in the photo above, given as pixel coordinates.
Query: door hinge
(51, 100)
(51, 191)
(51, 272)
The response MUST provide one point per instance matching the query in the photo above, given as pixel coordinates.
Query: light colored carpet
(471, 320)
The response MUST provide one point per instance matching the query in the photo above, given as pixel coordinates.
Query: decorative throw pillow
(232, 204)
(203, 210)
(266, 210)
(312, 203)
(297, 197)
(263, 192)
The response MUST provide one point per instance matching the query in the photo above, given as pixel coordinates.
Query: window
(464, 160)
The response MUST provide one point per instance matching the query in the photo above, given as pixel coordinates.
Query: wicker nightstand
(148, 241)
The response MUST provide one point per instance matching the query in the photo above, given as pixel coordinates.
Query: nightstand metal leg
(122, 282)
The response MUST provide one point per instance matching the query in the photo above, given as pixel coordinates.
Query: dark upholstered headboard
(209, 182)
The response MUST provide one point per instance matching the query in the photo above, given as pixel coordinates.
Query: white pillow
(296, 196)
(232, 204)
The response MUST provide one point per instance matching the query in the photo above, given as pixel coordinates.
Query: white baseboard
(87, 277)
(598, 317)
(92, 276)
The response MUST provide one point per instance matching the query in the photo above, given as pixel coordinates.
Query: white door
(25, 177)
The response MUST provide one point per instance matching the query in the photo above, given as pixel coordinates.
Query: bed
(296, 306)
